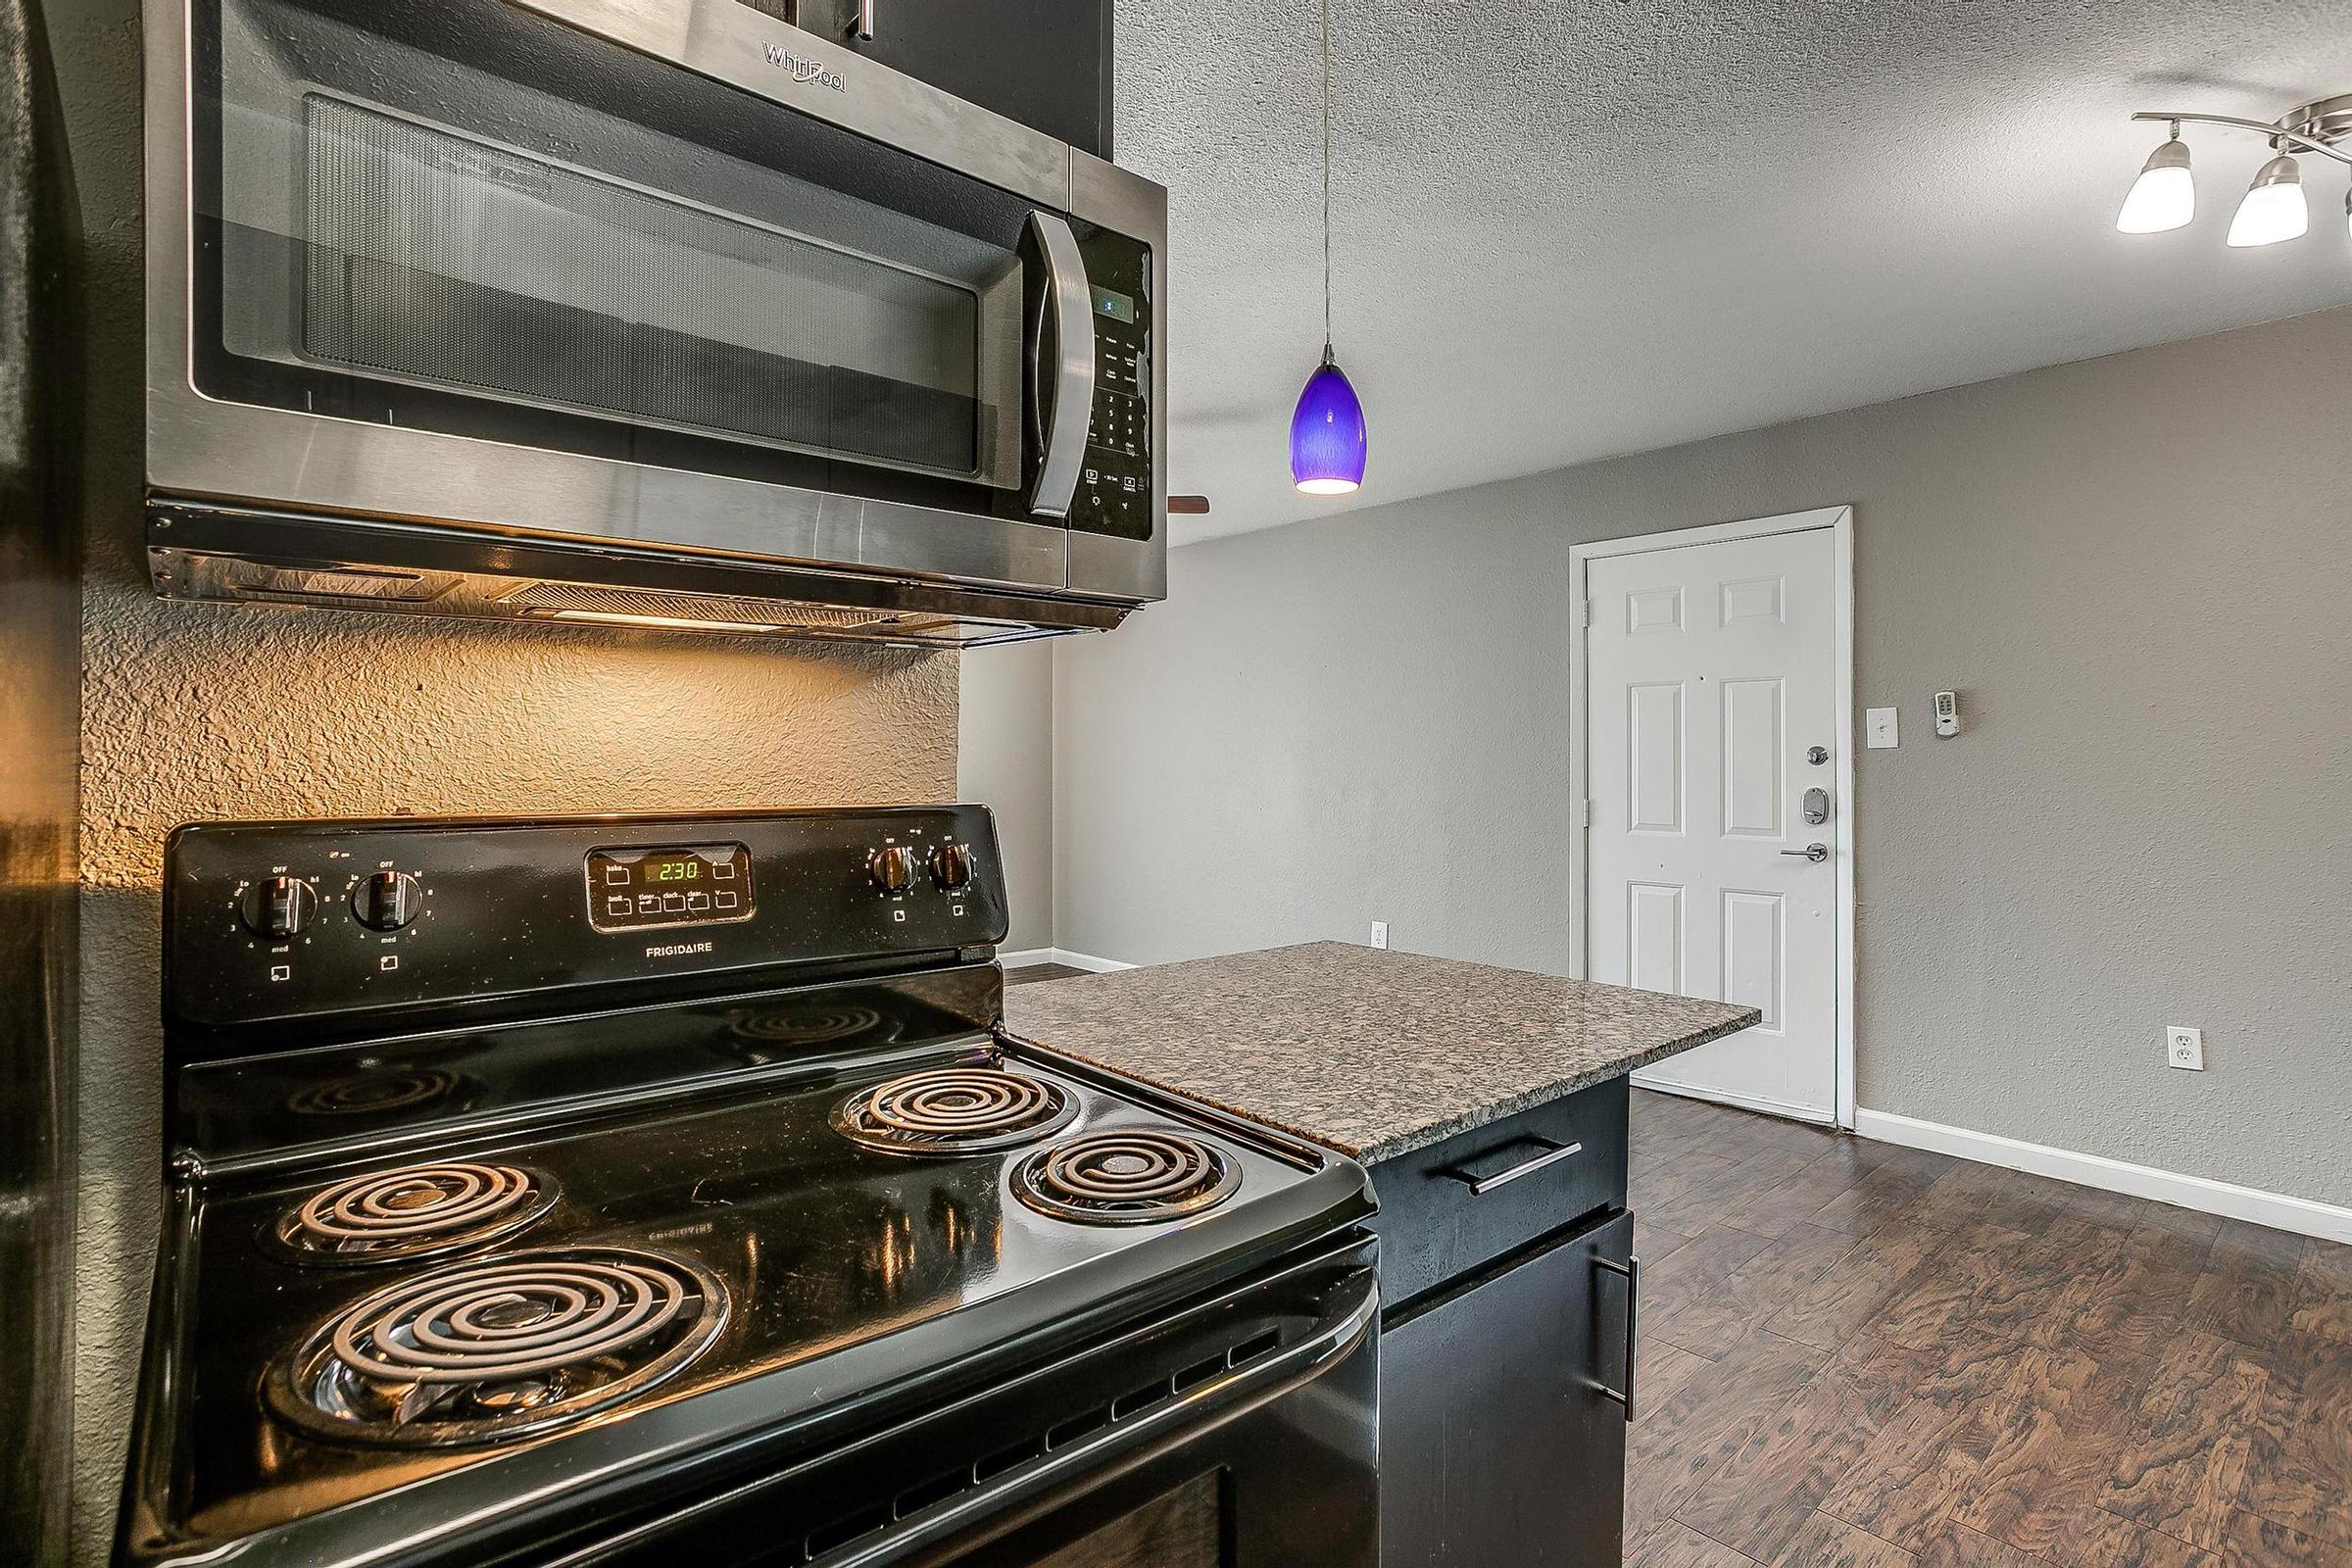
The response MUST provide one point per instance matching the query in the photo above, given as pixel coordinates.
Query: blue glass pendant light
(1327, 433)
(1328, 441)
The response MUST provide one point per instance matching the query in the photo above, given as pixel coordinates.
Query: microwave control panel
(1114, 489)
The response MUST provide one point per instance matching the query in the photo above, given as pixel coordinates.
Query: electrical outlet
(1380, 933)
(2184, 1047)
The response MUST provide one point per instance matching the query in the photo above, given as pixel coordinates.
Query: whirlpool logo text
(802, 70)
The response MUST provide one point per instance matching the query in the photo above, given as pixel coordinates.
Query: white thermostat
(1947, 714)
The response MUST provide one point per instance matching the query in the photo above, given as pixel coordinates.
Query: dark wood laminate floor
(1030, 973)
(1861, 1357)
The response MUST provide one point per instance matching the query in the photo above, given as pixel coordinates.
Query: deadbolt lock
(1817, 807)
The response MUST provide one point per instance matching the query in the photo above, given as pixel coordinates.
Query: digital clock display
(631, 889)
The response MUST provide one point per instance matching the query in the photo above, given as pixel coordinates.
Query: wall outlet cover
(1380, 933)
(1879, 728)
(2184, 1047)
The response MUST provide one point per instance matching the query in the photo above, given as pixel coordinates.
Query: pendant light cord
(1325, 182)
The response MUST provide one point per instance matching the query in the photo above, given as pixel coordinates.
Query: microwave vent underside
(571, 598)
(211, 551)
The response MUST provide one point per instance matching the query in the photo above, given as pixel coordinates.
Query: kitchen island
(1490, 1107)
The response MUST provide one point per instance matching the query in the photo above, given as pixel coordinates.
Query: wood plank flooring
(1029, 974)
(1855, 1355)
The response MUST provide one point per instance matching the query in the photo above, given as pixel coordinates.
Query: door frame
(1839, 521)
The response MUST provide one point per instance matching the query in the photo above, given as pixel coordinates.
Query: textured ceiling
(1576, 229)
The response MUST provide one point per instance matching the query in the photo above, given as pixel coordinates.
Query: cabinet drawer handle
(1480, 1185)
(1631, 1269)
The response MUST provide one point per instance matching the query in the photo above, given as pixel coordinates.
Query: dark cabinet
(1045, 63)
(1501, 1438)
(1453, 1207)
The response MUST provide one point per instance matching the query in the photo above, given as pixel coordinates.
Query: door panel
(1711, 672)
(1655, 786)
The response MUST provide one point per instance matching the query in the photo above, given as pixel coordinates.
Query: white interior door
(1710, 677)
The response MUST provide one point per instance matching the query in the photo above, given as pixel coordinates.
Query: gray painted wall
(196, 711)
(2134, 568)
(1004, 761)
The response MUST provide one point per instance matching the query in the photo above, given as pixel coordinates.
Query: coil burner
(415, 1213)
(482, 1352)
(1126, 1178)
(956, 1110)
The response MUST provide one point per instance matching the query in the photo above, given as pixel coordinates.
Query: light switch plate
(1879, 728)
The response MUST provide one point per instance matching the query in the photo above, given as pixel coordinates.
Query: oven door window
(1184, 1527)
(462, 217)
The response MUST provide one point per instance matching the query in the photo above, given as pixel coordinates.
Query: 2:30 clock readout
(629, 888)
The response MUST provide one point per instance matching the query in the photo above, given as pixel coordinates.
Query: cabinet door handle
(862, 24)
(1480, 1185)
(1631, 1270)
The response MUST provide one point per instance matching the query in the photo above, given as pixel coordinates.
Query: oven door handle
(1061, 367)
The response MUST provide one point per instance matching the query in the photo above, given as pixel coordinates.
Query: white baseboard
(1030, 958)
(2302, 1215)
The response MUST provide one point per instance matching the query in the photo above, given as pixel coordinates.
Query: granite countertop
(1368, 1051)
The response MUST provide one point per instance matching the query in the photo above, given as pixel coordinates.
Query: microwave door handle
(1065, 390)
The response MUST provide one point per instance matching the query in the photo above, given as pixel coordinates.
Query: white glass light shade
(2164, 196)
(2273, 208)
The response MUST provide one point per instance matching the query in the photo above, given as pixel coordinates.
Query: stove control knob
(278, 908)
(951, 867)
(387, 900)
(892, 868)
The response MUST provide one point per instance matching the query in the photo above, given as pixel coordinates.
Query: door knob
(1816, 853)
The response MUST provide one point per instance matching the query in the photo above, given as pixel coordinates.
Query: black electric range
(602, 1190)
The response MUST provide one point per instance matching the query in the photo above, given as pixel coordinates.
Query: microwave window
(465, 263)
(466, 217)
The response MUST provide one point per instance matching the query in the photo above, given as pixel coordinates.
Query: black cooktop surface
(761, 1231)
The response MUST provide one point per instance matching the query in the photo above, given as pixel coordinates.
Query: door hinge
(1583, 813)
(1583, 615)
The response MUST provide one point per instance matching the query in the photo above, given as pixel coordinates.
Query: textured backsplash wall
(209, 712)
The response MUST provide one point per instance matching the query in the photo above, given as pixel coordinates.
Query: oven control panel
(698, 884)
(268, 922)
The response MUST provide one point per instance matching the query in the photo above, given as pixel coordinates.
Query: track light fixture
(2273, 208)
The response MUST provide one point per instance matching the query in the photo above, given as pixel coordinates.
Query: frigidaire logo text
(677, 949)
(802, 70)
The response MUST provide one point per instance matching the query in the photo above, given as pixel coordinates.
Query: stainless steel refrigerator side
(40, 648)
(203, 449)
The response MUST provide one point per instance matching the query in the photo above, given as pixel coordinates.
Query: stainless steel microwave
(658, 312)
